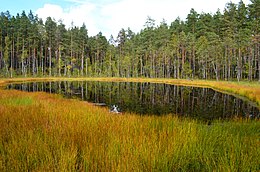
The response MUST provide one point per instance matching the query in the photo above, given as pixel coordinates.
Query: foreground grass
(42, 132)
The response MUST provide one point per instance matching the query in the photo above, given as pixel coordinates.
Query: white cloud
(78, 14)
(110, 16)
(133, 13)
(50, 10)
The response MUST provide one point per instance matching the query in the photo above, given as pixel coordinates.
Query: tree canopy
(217, 46)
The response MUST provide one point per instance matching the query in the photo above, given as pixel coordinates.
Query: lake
(151, 98)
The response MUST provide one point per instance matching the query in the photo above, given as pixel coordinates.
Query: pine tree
(50, 26)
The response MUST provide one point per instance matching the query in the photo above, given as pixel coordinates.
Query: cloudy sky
(109, 16)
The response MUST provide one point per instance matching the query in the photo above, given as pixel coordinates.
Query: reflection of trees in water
(149, 98)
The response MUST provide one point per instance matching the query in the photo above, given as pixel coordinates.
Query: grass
(16, 101)
(43, 132)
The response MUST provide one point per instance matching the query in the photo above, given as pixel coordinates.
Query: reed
(43, 132)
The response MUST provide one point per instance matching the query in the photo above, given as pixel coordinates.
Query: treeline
(224, 45)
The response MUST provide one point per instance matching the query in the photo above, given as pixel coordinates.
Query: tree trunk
(46, 61)
(250, 64)
(174, 68)
(178, 68)
(41, 60)
(59, 61)
(118, 67)
(29, 60)
(239, 65)
(193, 62)
(12, 57)
(49, 48)
(182, 60)
(86, 66)
(215, 67)
(34, 59)
(229, 64)
(254, 63)
(95, 62)
(141, 65)
(225, 65)
(37, 65)
(82, 60)
(6, 67)
(23, 68)
(110, 64)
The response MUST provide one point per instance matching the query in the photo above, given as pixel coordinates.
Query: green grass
(43, 132)
(24, 101)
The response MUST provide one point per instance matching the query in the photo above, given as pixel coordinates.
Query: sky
(110, 16)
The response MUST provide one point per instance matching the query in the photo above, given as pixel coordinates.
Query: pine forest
(220, 46)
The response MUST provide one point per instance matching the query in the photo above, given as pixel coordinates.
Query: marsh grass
(43, 132)
(17, 101)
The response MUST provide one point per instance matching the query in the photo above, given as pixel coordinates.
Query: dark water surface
(151, 98)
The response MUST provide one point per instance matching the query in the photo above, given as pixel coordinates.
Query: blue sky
(109, 16)
(17, 6)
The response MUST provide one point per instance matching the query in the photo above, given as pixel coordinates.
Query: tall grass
(43, 132)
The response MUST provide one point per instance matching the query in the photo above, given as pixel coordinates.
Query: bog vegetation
(224, 45)
(43, 132)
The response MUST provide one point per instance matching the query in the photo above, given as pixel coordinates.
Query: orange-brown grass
(43, 132)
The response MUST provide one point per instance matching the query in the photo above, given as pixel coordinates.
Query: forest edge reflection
(146, 98)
